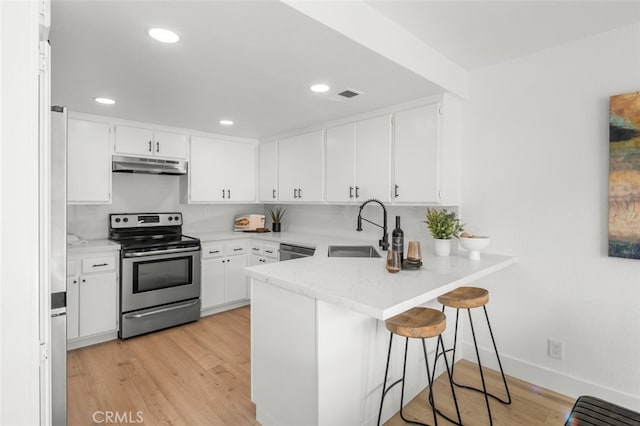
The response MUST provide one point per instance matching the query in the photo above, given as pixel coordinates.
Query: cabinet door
(88, 162)
(72, 308)
(171, 145)
(269, 171)
(416, 155)
(373, 159)
(240, 171)
(206, 170)
(340, 163)
(98, 308)
(310, 176)
(213, 282)
(288, 169)
(236, 281)
(134, 140)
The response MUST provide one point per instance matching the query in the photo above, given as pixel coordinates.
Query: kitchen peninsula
(318, 340)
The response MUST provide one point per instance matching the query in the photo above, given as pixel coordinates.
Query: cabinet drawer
(233, 249)
(72, 268)
(256, 249)
(271, 251)
(98, 264)
(210, 251)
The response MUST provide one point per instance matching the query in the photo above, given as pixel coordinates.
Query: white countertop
(365, 286)
(92, 246)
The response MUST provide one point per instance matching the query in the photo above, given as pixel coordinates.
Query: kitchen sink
(353, 251)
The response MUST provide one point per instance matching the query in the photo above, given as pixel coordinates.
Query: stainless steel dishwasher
(290, 251)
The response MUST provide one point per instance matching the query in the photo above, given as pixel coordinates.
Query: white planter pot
(442, 247)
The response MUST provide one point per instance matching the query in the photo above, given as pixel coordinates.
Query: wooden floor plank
(200, 374)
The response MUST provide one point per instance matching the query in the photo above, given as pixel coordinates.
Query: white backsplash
(141, 193)
(134, 193)
(341, 221)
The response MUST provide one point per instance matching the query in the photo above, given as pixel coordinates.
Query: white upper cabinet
(359, 161)
(221, 171)
(150, 143)
(300, 168)
(88, 162)
(340, 163)
(416, 155)
(268, 171)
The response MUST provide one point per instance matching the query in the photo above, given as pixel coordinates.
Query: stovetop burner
(149, 231)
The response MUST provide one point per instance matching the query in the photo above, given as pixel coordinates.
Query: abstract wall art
(624, 176)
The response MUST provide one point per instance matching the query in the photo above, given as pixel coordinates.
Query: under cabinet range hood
(121, 164)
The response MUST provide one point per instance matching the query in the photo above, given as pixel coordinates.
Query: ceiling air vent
(348, 94)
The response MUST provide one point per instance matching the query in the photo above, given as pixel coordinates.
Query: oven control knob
(170, 218)
(125, 220)
(117, 220)
(176, 218)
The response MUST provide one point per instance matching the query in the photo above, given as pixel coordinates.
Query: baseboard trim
(550, 379)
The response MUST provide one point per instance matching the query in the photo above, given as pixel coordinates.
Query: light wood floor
(199, 374)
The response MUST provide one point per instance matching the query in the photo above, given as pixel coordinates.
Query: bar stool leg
(484, 386)
(495, 348)
(384, 383)
(430, 379)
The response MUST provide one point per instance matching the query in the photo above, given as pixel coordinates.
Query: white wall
(19, 215)
(534, 177)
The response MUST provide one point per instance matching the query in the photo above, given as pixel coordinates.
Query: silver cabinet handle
(228, 194)
(350, 192)
(99, 264)
(223, 194)
(157, 146)
(237, 249)
(214, 252)
(357, 192)
(274, 194)
(299, 192)
(150, 149)
(396, 192)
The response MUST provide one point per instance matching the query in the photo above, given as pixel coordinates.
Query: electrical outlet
(555, 349)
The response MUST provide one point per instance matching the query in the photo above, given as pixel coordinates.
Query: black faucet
(384, 242)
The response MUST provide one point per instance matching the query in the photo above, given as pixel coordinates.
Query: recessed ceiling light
(226, 122)
(163, 35)
(319, 88)
(105, 101)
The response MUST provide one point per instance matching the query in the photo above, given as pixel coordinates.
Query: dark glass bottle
(397, 239)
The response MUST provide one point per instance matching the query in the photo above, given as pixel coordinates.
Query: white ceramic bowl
(475, 245)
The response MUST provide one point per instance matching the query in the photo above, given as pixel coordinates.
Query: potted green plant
(276, 218)
(443, 225)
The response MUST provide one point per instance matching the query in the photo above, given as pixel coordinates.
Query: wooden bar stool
(469, 298)
(418, 323)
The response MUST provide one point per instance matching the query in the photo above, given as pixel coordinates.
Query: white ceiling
(253, 61)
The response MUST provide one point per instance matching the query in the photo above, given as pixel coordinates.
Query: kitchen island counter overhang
(318, 340)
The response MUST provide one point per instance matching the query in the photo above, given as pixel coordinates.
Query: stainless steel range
(159, 272)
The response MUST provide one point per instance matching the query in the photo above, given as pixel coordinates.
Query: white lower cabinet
(92, 298)
(223, 280)
(262, 253)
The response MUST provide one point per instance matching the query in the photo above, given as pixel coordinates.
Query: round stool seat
(418, 323)
(465, 298)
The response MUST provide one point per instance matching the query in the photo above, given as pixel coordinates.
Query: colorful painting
(624, 176)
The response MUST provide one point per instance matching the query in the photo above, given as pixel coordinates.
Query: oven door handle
(159, 311)
(160, 252)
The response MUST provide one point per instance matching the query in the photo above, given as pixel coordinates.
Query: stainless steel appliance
(290, 251)
(58, 264)
(159, 272)
(154, 166)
